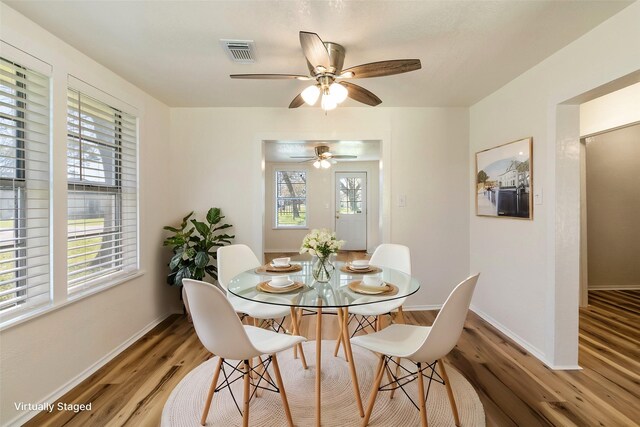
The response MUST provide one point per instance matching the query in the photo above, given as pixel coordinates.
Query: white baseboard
(515, 337)
(55, 395)
(421, 307)
(613, 287)
(279, 251)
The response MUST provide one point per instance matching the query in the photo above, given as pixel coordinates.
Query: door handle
(337, 216)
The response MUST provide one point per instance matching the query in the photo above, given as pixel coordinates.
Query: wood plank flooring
(515, 388)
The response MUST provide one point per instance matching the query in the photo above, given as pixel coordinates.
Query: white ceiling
(171, 49)
(281, 151)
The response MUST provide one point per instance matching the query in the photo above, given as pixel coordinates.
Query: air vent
(241, 51)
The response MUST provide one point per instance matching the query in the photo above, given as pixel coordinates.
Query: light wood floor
(515, 388)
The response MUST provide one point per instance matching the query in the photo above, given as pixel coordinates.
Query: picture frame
(504, 180)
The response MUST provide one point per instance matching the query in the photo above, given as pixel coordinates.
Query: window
(291, 199)
(102, 192)
(24, 189)
(350, 196)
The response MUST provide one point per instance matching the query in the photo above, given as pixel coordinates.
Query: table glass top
(335, 293)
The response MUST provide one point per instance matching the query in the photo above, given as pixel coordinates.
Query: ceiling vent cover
(241, 51)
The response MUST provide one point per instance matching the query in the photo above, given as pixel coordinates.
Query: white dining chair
(233, 260)
(223, 334)
(424, 346)
(388, 255)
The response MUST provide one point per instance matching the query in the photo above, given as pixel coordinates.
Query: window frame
(276, 198)
(115, 236)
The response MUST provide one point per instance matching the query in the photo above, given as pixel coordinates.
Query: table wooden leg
(318, 363)
(352, 366)
(294, 325)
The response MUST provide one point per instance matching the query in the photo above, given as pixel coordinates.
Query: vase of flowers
(321, 244)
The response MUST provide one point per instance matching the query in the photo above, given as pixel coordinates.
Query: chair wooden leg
(423, 405)
(247, 394)
(374, 391)
(212, 390)
(339, 340)
(401, 316)
(352, 365)
(295, 324)
(400, 319)
(452, 401)
(283, 394)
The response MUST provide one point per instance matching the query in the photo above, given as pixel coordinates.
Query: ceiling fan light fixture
(328, 103)
(325, 164)
(310, 95)
(316, 164)
(338, 92)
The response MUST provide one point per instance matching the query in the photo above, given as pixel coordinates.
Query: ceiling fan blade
(383, 68)
(302, 157)
(297, 101)
(270, 76)
(361, 94)
(314, 50)
(343, 156)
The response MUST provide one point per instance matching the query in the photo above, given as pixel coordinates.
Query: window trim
(275, 225)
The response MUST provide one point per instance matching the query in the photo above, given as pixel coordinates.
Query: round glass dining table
(336, 295)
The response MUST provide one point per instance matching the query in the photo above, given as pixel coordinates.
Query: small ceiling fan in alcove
(323, 157)
(325, 61)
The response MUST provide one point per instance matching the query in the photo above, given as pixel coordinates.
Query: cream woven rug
(184, 406)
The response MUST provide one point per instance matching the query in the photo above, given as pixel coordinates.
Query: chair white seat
(268, 342)
(394, 340)
(257, 310)
(377, 308)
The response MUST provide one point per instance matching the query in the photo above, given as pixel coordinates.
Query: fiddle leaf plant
(194, 244)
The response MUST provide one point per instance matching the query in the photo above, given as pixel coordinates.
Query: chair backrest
(233, 260)
(447, 328)
(216, 322)
(393, 256)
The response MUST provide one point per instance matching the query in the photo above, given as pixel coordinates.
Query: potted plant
(194, 244)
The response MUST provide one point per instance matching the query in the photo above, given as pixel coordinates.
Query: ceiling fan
(323, 158)
(325, 60)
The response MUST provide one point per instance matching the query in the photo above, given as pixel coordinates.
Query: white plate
(359, 267)
(281, 285)
(280, 266)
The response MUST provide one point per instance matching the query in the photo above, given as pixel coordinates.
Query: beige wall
(530, 269)
(44, 356)
(426, 160)
(613, 209)
(320, 203)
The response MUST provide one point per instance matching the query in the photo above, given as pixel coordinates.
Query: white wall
(427, 155)
(40, 357)
(529, 282)
(320, 203)
(613, 110)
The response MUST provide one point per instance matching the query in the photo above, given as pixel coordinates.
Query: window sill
(71, 298)
(293, 227)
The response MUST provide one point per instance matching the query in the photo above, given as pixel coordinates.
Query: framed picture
(504, 180)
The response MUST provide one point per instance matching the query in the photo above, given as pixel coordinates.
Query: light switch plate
(537, 196)
(402, 201)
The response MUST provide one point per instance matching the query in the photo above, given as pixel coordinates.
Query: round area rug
(184, 406)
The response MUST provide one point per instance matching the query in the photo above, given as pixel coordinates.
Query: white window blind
(24, 189)
(102, 192)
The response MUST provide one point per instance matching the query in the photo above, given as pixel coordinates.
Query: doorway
(351, 209)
